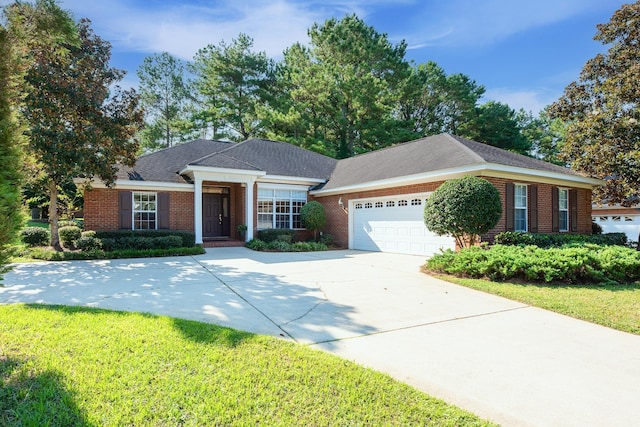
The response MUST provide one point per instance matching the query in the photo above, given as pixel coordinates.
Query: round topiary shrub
(35, 236)
(464, 208)
(69, 234)
(313, 217)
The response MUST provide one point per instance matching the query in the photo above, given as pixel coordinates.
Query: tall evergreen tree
(165, 96)
(344, 88)
(233, 82)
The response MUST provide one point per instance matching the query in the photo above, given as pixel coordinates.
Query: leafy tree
(464, 208)
(497, 124)
(602, 111)
(459, 103)
(27, 30)
(545, 135)
(164, 94)
(233, 82)
(343, 87)
(77, 127)
(313, 217)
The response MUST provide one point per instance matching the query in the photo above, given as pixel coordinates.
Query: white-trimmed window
(280, 208)
(145, 211)
(520, 207)
(563, 209)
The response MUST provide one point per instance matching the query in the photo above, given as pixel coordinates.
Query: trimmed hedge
(271, 234)
(35, 236)
(49, 255)
(587, 263)
(556, 240)
(188, 238)
(282, 246)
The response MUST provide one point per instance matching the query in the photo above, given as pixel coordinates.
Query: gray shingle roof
(164, 165)
(430, 154)
(274, 158)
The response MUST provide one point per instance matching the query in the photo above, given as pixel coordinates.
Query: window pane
(520, 220)
(520, 196)
(563, 222)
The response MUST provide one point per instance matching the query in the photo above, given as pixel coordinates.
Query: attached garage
(393, 224)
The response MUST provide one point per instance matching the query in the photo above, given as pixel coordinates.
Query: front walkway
(511, 363)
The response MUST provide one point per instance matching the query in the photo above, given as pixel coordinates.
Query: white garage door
(394, 224)
(628, 224)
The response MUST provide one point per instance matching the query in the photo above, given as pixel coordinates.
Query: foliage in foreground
(78, 366)
(614, 306)
(570, 264)
(284, 246)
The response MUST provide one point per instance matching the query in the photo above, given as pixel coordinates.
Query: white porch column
(197, 199)
(249, 209)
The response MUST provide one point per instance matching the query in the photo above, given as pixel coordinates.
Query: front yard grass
(614, 306)
(79, 366)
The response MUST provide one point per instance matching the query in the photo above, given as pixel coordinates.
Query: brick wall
(101, 210)
(338, 219)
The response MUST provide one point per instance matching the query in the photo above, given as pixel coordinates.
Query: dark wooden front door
(215, 215)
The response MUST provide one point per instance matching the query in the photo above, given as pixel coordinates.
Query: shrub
(35, 236)
(271, 234)
(88, 243)
(188, 238)
(71, 223)
(256, 245)
(596, 228)
(464, 208)
(587, 263)
(313, 217)
(69, 234)
(88, 234)
(279, 245)
(543, 240)
(327, 239)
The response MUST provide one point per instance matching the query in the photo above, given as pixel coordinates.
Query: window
(391, 204)
(368, 205)
(379, 204)
(520, 207)
(563, 209)
(358, 205)
(280, 208)
(144, 211)
(402, 203)
(416, 202)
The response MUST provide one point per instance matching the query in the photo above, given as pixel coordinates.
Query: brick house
(373, 201)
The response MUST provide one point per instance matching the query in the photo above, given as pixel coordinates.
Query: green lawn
(77, 366)
(614, 306)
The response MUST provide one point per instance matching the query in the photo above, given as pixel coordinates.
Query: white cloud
(476, 23)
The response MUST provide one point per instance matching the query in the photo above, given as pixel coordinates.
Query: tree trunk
(53, 215)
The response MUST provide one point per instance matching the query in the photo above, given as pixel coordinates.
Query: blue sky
(523, 52)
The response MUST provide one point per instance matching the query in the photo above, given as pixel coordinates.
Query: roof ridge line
(464, 147)
(233, 145)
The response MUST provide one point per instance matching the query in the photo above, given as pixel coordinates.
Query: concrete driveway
(505, 361)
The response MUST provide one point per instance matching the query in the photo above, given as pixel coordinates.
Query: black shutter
(533, 208)
(124, 210)
(163, 211)
(509, 199)
(555, 212)
(573, 209)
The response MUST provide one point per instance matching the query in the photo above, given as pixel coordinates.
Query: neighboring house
(618, 219)
(373, 201)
